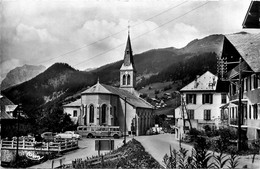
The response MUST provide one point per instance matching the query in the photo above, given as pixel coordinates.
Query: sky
(90, 33)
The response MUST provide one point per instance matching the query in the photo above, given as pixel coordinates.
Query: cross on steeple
(128, 28)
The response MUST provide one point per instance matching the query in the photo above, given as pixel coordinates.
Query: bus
(99, 131)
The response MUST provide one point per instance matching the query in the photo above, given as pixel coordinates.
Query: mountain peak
(21, 74)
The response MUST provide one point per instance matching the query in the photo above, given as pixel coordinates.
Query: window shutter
(211, 98)
(205, 113)
(194, 98)
(203, 98)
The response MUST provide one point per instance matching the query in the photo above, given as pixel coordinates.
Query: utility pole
(239, 108)
(17, 133)
(223, 69)
(125, 124)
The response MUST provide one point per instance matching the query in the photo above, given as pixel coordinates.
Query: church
(104, 105)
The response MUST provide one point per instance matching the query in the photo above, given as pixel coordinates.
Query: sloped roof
(97, 88)
(132, 99)
(205, 82)
(4, 115)
(248, 46)
(5, 101)
(251, 19)
(128, 58)
(76, 103)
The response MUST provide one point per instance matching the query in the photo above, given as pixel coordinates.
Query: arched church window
(124, 80)
(91, 114)
(128, 80)
(103, 113)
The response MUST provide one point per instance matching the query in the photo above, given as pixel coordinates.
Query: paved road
(158, 146)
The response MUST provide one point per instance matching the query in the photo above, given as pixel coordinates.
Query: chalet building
(104, 105)
(201, 100)
(7, 108)
(243, 52)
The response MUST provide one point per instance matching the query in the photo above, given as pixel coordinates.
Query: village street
(156, 145)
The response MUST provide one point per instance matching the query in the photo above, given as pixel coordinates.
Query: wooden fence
(90, 161)
(39, 146)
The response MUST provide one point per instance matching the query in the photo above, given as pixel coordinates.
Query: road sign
(104, 145)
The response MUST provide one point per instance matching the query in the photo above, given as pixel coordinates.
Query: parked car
(68, 135)
(48, 136)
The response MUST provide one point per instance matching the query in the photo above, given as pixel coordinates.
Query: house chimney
(196, 83)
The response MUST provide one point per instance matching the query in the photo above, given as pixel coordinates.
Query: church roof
(97, 88)
(132, 99)
(76, 103)
(205, 82)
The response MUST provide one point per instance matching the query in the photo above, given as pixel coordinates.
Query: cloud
(25, 33)
(45, 32)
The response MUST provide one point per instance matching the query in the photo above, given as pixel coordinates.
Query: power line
(143, 33)
(90, 44)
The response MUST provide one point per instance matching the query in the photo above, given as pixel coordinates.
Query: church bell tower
(127, 70)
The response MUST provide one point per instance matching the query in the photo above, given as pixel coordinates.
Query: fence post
(12, 144)
(59, 147)
(23, 143)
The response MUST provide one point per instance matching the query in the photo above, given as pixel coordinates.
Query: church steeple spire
(128, 58)
(127, 71)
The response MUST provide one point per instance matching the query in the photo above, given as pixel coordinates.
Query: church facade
(104, 105)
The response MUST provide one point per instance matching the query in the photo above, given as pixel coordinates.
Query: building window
(207, 98)
(223, 98)
(124, 80)
(249, 113)
(258, 79)
(191, 98)
(258, 109)
(233, 112)
(91, 114)
(245, 84)
(245, 110)
(250, 83)
(75, 114)
(255, 111)
(207, 114)
(255, 81)
(115, 117)
(128, 80)
(103, 113)
(190, 114)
